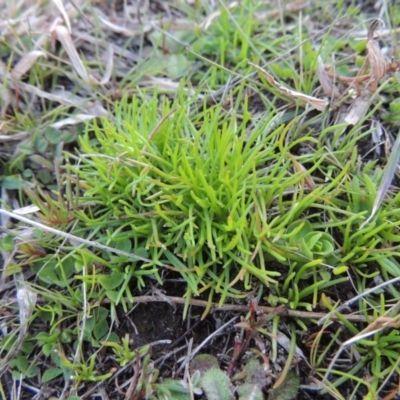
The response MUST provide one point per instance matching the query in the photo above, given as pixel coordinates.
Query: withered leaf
(319, 104)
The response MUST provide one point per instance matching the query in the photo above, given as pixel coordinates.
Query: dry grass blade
(358, 110)
(300, 168)
(284, 342)
(81, 103)
(61, 7)
(209, 20)
(119, 51)
(327, 85)
(120, 28)
(319, 104)
(14, 137)
(27, 210)
(76, 119)
(7, 100)
(35, 91)
(166, 85)
(109, 65)
(375, 58)
(26, 302)
(19, 17)
(285, 9)
(26, 63)
(63, 36)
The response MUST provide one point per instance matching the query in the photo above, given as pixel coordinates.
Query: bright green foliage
(195, 192)
(394, 112)
(192, 192)
(217, 200)
(124, 354)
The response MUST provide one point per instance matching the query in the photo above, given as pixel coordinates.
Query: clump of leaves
(393, 115)
(194, 191)
(184, 189)
(214, 195)
(311, 244)
(123, 352)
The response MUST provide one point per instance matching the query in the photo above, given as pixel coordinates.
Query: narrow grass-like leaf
(386, 179)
